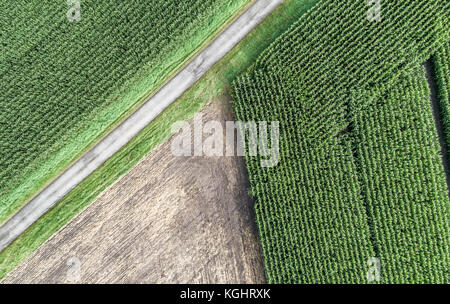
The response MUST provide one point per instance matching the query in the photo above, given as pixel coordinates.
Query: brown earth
(169, 220)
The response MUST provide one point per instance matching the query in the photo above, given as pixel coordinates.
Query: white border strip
(120, 136)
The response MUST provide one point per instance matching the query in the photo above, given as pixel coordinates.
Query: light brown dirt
(169, 220)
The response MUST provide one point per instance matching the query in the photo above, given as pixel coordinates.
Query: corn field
(360, 174)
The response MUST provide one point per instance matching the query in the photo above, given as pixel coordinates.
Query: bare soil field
(169, 220)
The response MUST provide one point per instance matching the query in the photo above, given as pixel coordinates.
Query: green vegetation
(403, 183)
(359, 174)
(441, 61)
(309, 212)
(66, 84)
(212, 86)
(334, 53)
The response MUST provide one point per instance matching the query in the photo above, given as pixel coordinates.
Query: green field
(360, 174)
(211, 87)
(66, 84)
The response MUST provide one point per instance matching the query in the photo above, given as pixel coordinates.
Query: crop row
(376, 189)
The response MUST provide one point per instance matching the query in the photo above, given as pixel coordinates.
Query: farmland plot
(360, 183)
(309, 211)
(403, 183)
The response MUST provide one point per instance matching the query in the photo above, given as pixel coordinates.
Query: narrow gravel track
(120, 136)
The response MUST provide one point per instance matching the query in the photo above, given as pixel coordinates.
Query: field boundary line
(430, 68)
(128, 129)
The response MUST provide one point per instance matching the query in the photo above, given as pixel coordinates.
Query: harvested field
(169, 220)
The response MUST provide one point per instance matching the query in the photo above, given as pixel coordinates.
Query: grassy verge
(210, 87)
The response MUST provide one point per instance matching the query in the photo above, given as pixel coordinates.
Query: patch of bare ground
(169, 220)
